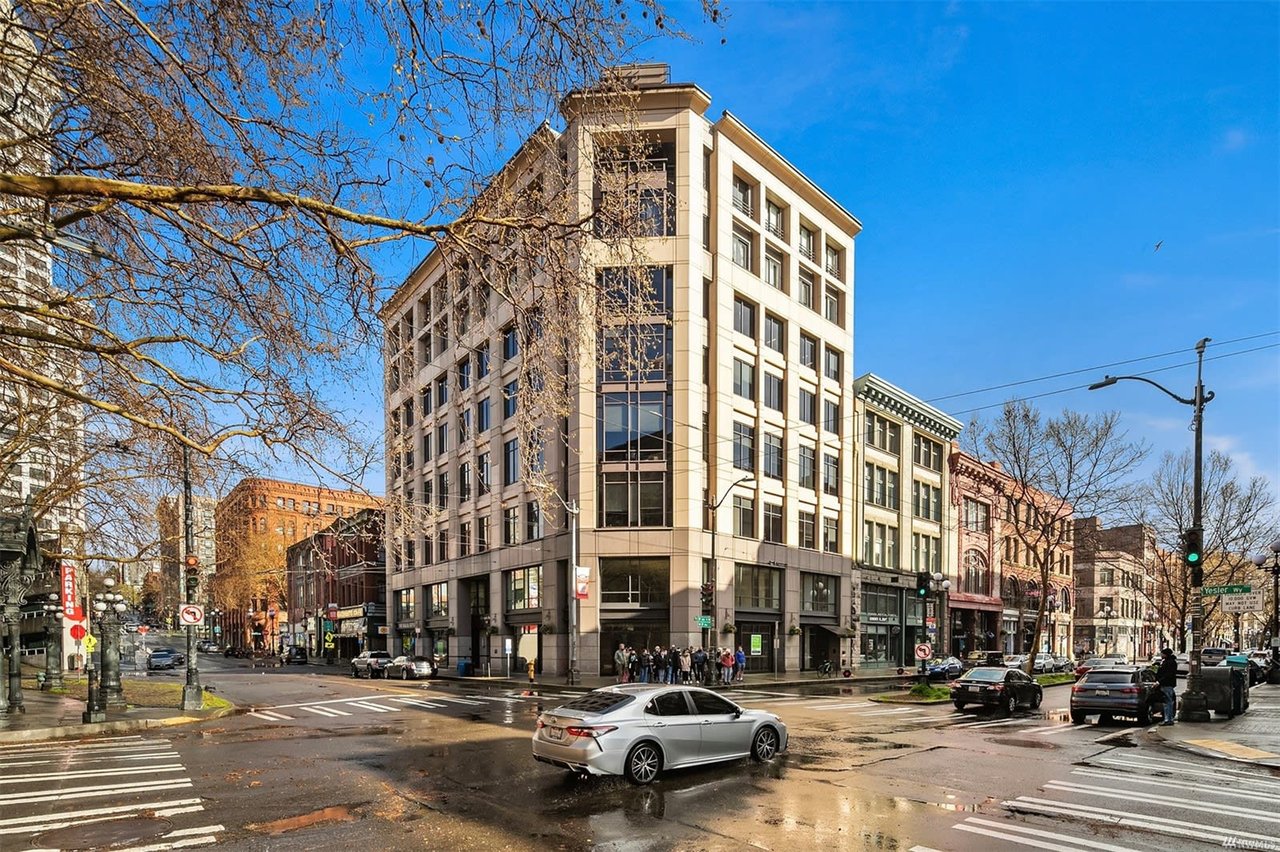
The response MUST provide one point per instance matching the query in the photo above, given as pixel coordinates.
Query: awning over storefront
(961, 601)
(833, 628)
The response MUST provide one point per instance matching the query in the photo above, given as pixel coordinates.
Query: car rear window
(1109, 677)
(597, 702)
(986, 674)
(379, 655)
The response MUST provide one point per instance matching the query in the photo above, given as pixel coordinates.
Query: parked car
(1116, 691)
(1015, 661)
(944, 667)
(983, 658)
(996, 687)
(410, 668)
(1212, 656)
(1121, 659)
(1062, 664)
(131, 626)
(1091, 663)
(642, 730)
(293, 654)
(165, 658)
(1044, 664)
(370, 664)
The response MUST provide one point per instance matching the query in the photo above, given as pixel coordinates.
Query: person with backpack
(699, 664)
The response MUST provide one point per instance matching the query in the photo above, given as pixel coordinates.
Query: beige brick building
(752, 407)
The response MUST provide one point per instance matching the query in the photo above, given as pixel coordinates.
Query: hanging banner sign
(70, 608)
(581, 577)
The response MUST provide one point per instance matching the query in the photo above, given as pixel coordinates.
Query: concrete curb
(120, 726)
(1156, 734)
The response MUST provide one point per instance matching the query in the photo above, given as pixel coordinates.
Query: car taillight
(998, 687)
(589, 730)
(1077, 688)
(1129, 690)
(953, 684)
(541, 724)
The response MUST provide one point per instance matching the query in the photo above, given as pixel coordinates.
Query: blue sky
(1014, 166)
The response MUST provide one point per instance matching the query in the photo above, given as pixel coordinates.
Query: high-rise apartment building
(744, 402)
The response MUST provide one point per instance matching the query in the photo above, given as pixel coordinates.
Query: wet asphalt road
(325, 762)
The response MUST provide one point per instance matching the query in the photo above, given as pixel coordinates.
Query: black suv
(293, 654)
(1116, 691)
(370, 664)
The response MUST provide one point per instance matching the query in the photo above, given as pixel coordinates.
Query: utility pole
(192, 693)
(572, 509)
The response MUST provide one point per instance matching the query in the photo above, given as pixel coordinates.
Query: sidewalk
(52, 717)
(1252, 737)
(879, 680)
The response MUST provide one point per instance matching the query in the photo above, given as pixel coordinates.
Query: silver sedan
(405, 668)
(640, 730)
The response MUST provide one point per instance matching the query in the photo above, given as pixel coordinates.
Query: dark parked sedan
(1116, 691)
(996, 687)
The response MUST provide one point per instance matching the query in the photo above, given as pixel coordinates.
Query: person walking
(646, 665)
(739, 665)
(726, 666)
(686, 665)
(1167, 677)
(620, 663)
(633, 666)
(699, 664)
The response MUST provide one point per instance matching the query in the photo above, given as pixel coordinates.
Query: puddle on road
(335, 813)
(114, 834)
(1040, 743)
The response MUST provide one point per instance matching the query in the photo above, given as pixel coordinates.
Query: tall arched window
(1012, 591)
(977, 580)
(1064, 598)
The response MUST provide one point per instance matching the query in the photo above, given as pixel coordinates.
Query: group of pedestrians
(679, 665)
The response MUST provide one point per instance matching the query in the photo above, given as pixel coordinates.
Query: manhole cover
(105, 835)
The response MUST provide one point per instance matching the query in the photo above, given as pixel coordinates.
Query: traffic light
(192, 571)
(1192, 547)
(923, 580)
(708, 595)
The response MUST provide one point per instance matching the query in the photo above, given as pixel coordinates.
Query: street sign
(90, 642)
(1250, 602)
(142, 628)
(77, 632)
(924, 651)
(191, 615)
(328, 640)
(705, 622)
(1215, 591)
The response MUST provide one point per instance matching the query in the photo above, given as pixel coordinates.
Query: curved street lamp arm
(1107, 381)
(729, 491)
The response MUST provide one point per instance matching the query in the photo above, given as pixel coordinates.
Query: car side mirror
(737, 713)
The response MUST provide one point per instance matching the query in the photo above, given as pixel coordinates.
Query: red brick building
(974, 605)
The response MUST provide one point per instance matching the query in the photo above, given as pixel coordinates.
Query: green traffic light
(1193, 557)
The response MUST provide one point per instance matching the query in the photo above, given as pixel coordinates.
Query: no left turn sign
(191, 614)
(924, 651)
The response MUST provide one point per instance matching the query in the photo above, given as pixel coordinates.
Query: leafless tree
(1070, 464)
(1239, 517)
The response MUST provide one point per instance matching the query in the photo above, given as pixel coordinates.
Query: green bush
(929, 692)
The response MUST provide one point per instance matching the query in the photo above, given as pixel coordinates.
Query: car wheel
(765, 745)
(1144, 715)
(1036, 699)
(1078, 718)
(1105, 719)
(960, 705)
(1010, 704)
(644, 762)
(404, 674)
(354, 673)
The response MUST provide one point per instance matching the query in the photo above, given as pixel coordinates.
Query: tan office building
(748, 404)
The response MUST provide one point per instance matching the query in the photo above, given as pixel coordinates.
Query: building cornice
(917, 412)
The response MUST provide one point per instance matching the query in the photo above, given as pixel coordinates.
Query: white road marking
(39, 821)
(1184, 770)
(1021, 841)
(330, 701)
(90, 773)
(1129, 819)
(1131, 778)
(366, 705)
(416, 703)
(895, 712)
(1135, 796)
(98, 742)
(1053, 835)
(91, 792)
(1172, 763)
(162, 753)
(1059, 729)
(498, 698)
(843, 706)
(182, 832)
(270, 715)
(995, 724)
(459, 700)
(327, 712)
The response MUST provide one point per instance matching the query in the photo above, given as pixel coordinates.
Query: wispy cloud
(1235, 139)
(1230, 445)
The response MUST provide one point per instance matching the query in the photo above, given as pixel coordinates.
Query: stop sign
(142, 628)
(77, 632)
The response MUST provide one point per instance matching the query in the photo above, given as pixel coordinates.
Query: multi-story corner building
(1115, 594)
(906, 519)
(1022, 578)
(338, 587)
(977, 497)
(745, 403)
(173, 542)
(254, 525)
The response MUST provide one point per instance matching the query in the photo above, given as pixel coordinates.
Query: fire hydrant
(529, 668)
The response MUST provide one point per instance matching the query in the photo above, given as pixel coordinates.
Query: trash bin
(464, 668)
(1239, 665)
(1224, 690)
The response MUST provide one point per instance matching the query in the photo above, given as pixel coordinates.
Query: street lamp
(1273, 675)
(941, 585)
(53, 614)
(1195, 704)
(109, 606)
(742, 480)
(1106, 614)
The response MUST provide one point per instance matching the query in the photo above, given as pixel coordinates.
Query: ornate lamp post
(19, 561)
(52, 644)
(1273, 674)
(941, 585)
(110, 606)
(1106, 614)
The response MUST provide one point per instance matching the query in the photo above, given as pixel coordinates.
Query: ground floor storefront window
(875, 649)
(818, 644)
(632, 632)
(756, 640)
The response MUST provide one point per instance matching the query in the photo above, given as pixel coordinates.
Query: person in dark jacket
(1167, 677)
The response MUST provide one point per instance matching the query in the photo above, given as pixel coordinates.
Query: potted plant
(547, 629)
(494, 630)
(728, 628)
(449, 631)
(793, 630)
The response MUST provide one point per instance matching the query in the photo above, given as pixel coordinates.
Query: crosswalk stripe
(322, 711)
(1131, 778)
(181, 832)
(89, 773)
(91, 792)
(416, 703)
(996, 724)
(1134, 796)
(895, 712)
(498, 699)
(1171, 763)
(1215, 775)
(34, 822)
(1035, 832)
(1021, 841)
(842, 706)
(368, 705)
(98, 742)
(462, 701)
(1129, 819)
(270, 715)
(164, 753)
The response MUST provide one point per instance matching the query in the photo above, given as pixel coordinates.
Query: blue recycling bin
(464, 668)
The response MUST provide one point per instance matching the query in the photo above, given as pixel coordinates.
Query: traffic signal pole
(192, 693)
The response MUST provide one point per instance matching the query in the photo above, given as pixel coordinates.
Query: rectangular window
(804, 242)
(831, 416)
(881, 486)
(808, 467)
(482, 361)
(464, 425)
(510, 343)
(744, 517)
(523, 588)
(775, 336)
(428, 402)
(927, 453)
(773, 269)
(509, 393)
(774, 393)
(882, 433)
(437, 600)
(880, 545)
(831, 304)
(830, 474)
(831, 364)
(464, 482)
(830, 535)
(744, 379)
(484, 475)
(773, 523)
(819, 593)
(834, 257)
(741, 248)
(427, 494)
(482, 534)
(926, 553)
(532, 521)
(464, 374)
(808, 352)
(742, 196)
(926, 501)
(744, 317)
(482, 416)
(977, 516)
(510, 526)
(744, 447)
(442, 492)
(772, 465)
(805, 291)
(757, 587)
(808, 535)
(426, 452)
(511, 462)
(635, 499)
(442, 439)
(442, 545)
(773, 221)
(808, 407)
(464, 539)
(635, 426)
(442, 391)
